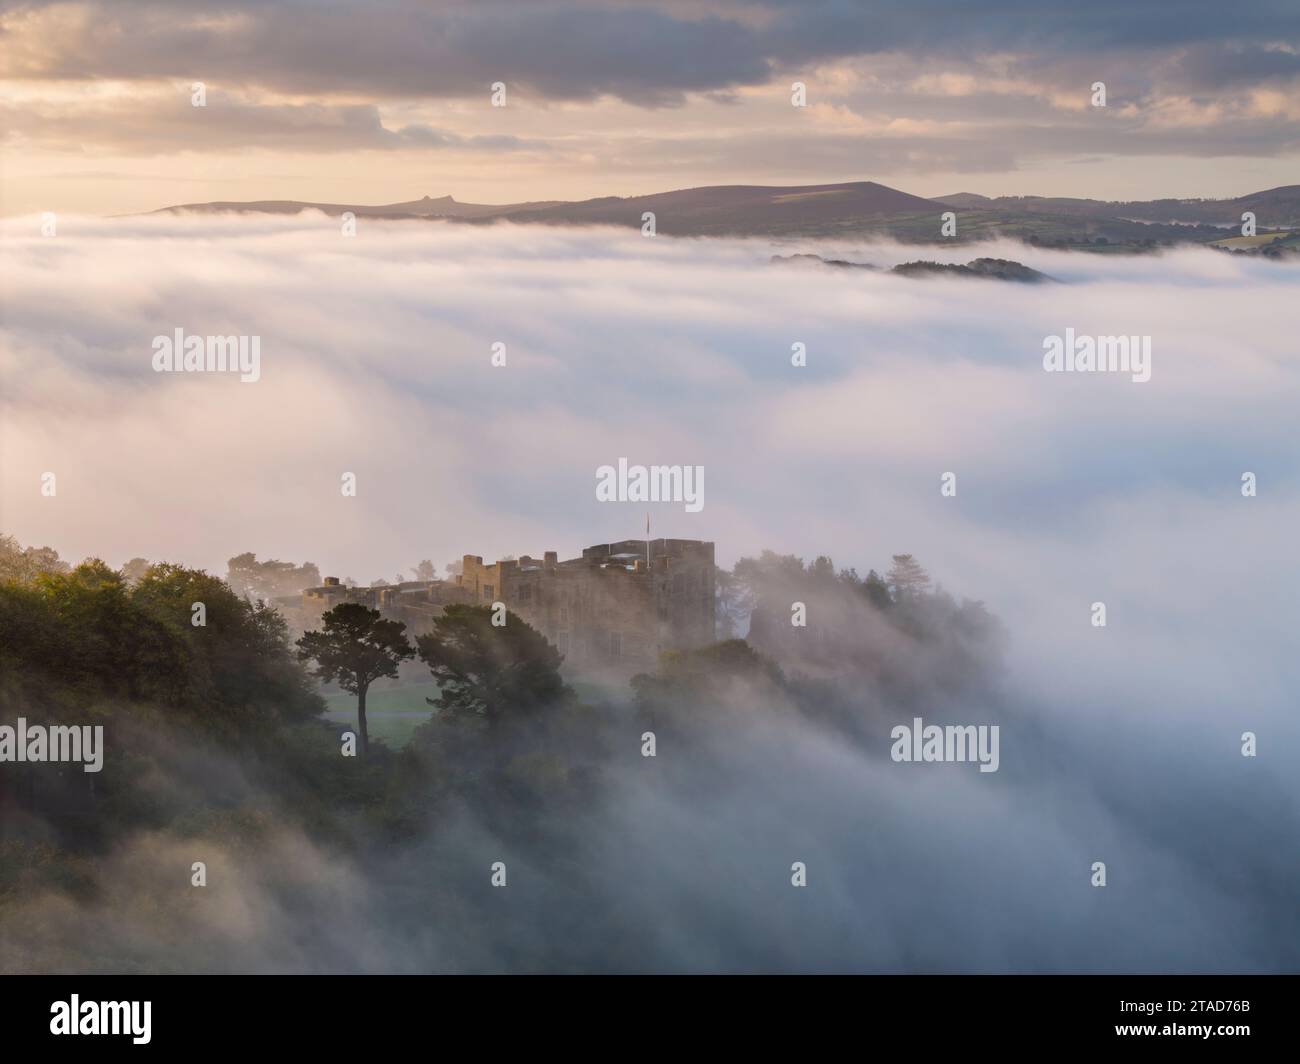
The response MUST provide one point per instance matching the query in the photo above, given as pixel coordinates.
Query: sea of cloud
(376, 359)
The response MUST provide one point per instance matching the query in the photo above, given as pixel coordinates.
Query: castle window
(615, 644)
(487, 590)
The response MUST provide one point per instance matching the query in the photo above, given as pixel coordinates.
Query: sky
(382, 102)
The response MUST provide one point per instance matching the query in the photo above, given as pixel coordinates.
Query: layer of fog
(1120, 744)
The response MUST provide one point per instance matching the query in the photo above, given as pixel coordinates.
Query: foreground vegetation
(216, 736)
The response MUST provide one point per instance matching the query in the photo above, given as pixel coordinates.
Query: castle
(610, 612)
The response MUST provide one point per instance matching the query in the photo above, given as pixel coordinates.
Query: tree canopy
(68, 637)
(356, 646)
(488, 672)
(250, 578)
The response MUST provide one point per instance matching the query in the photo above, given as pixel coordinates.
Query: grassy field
(602, 693)
(392, 713)
(1258, 240)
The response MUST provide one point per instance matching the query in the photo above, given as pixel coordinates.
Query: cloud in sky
(646, 52)
(165, 118)
(612, 98)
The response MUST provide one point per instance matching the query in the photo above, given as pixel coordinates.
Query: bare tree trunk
(362, 735)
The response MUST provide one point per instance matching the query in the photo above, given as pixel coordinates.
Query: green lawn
(1258, 240)
(392, 713)
(600, 693)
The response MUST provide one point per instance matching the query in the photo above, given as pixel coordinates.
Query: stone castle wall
(610, 612)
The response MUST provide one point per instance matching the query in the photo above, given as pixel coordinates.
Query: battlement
(612, 610)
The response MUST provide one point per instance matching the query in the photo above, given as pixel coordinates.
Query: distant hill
(987, 269)
(965, 199)
(428, 207)
(855, 209)
(739, 209)
(1277, 208)
(715, 210)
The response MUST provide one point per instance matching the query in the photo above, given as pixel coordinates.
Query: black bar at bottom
(613, 1013)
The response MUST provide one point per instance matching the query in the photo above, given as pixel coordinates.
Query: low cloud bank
(1120, 744)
